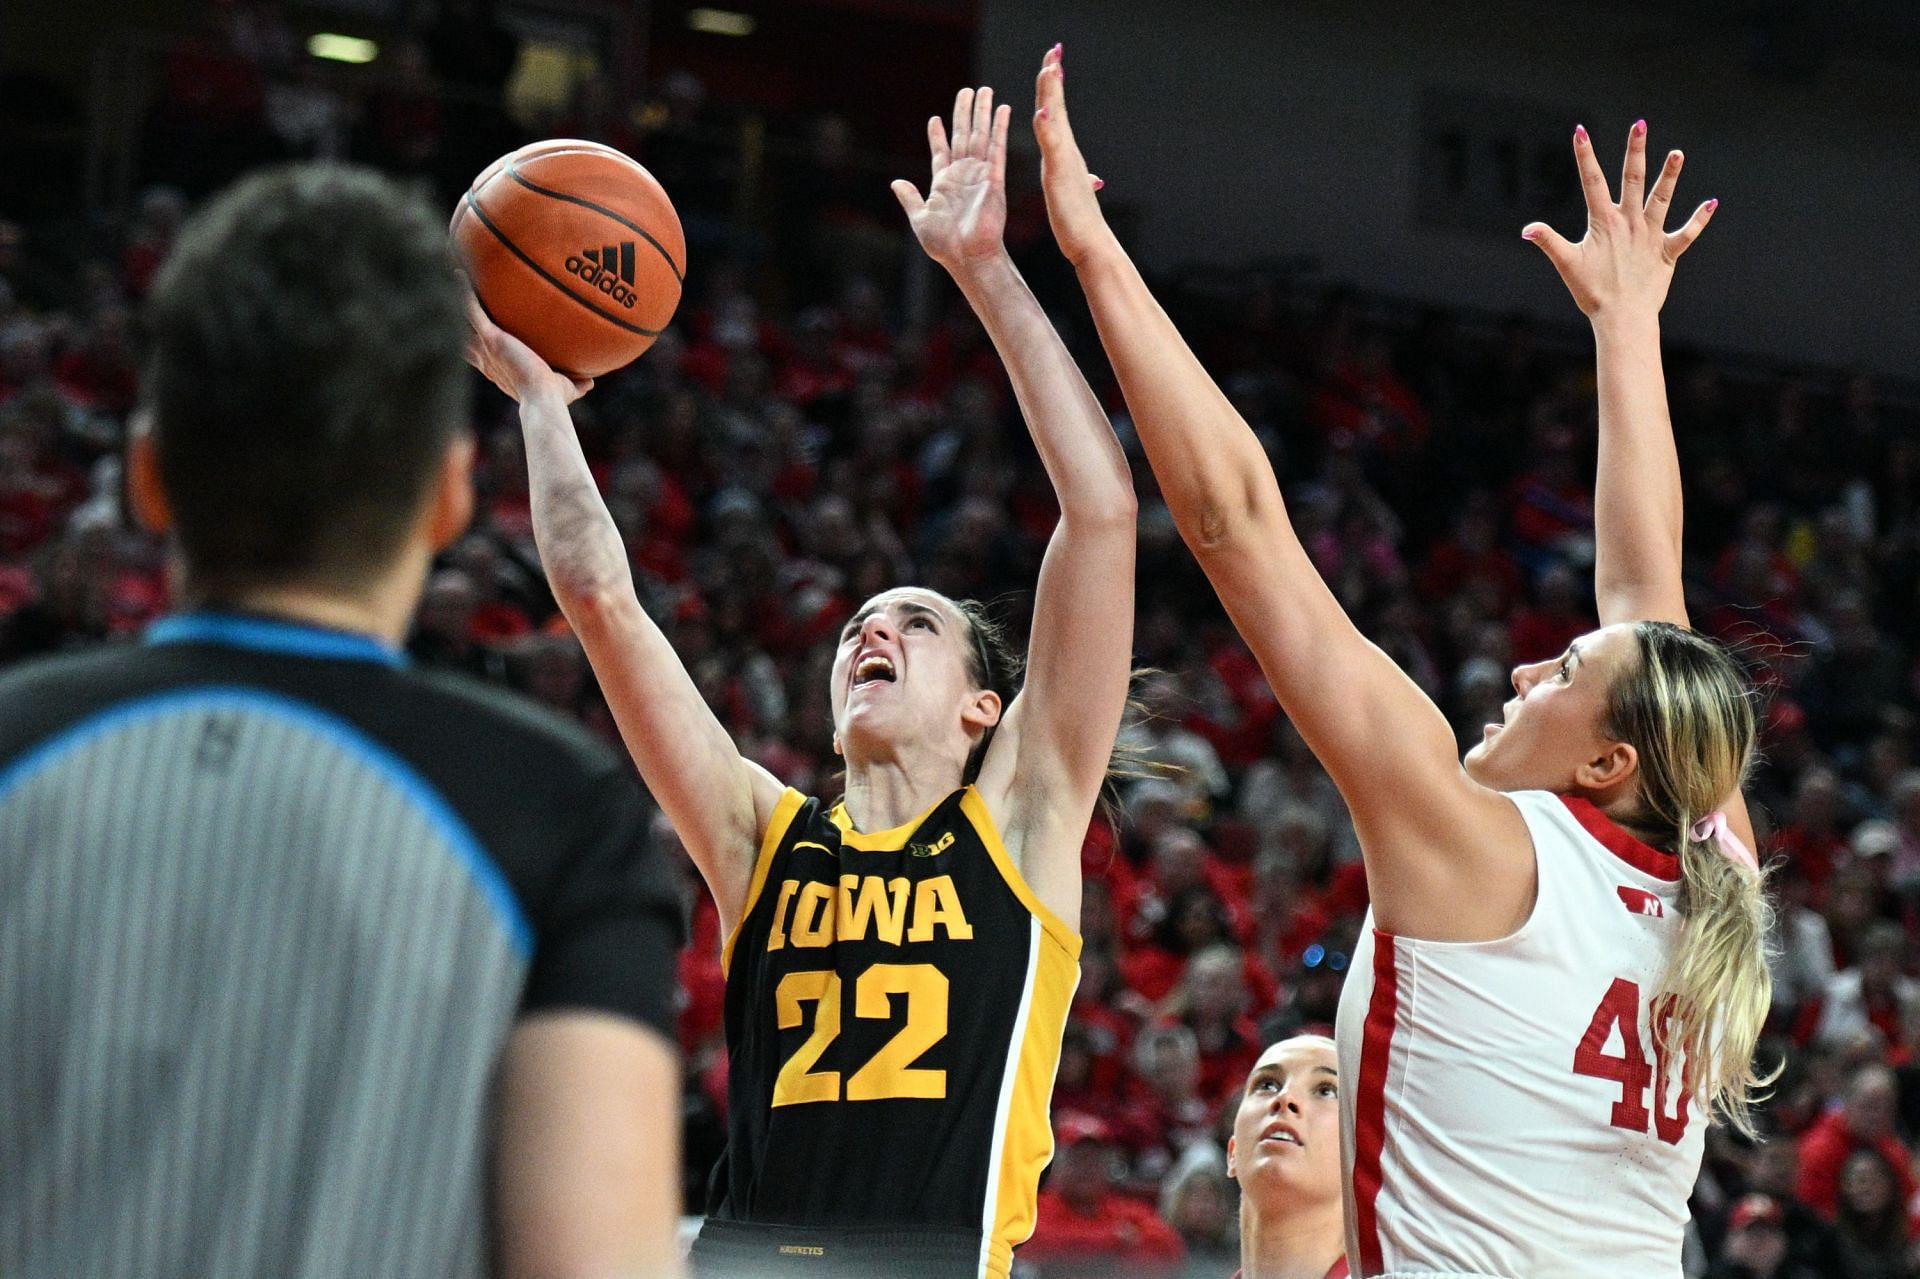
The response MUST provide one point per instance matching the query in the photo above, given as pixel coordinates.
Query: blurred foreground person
(299, 941)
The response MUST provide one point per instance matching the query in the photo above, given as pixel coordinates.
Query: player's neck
(882, 794)
(1302, 1244)
(383, 609)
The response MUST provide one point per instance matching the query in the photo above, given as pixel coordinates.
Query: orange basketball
(575, 250)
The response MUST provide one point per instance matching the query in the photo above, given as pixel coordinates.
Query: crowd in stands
(790, 447)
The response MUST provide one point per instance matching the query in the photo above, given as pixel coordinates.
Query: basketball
(574, 249)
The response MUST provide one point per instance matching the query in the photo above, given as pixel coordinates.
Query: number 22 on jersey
(1620, 1009)
(890, 1072)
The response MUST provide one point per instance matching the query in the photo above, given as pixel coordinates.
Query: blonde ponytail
(1688, 712)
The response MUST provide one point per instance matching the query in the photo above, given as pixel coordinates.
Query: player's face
(1285, 1147)
(902, 668)
(1553, 722)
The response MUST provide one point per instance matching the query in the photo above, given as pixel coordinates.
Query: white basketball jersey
(1503, 1111)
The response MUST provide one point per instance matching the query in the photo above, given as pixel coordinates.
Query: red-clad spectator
(1110, 1014)
(1179, 867)
(1469, 559)
(1550, 507)
(1164, 1112)
(1085, 1226)
(1364, 403)
(1183, 925)
(1557, 616)
(1286, 916)
(1813, 837)
(1864, 1121)
(1870, 1222)
(1213, 1001)
(1874, 993)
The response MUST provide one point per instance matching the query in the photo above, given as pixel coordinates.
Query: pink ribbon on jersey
(1713, 829)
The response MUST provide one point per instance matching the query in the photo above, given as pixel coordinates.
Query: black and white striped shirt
(270, 902)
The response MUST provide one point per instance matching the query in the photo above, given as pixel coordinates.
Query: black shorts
(751, 1250)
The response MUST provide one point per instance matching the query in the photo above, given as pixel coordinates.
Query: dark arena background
(1327, 195)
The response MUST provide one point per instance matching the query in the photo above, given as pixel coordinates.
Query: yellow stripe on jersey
(1028, 1146)
(976, 810)
(790, 801)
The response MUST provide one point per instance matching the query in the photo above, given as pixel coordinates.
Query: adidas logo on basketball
(608, 269)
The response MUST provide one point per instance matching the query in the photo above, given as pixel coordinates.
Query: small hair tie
(1713, 829)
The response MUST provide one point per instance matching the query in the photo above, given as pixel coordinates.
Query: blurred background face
(1286, 1135)
(1870, 1103)
(1866, 1188)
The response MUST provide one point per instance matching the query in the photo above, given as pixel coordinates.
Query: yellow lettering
(779, 937)
(869, 902)
(813, 916)
(936, 901)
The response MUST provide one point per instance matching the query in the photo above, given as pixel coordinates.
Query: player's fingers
(1662, 194)
(1049, 87)
(1633, 175)
(982, 132)
(937, 143)
(1558, 249)
(962, 120)
(1682, 240)
(581, 385)
(908, 195)
(997, 146)
(1592, 181)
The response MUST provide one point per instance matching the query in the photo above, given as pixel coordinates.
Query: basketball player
(1564, 976)
(294, 936)
(1285, 1153)
(899, 964)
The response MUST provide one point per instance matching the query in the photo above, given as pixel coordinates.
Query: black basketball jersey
(894, 1006)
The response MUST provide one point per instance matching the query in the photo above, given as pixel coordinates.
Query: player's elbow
(1230, 515)
(1113, 509)
(594, 607)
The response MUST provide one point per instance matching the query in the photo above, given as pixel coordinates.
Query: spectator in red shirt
(1814, 838)
(1285, 1153)
(1084, 1226)
(1864, 1121)
(1165, 1113)
(1212, 1002)
(1555, 618)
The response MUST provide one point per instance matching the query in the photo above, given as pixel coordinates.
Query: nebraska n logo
(609, 269)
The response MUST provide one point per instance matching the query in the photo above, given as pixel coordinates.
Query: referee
(312, 964)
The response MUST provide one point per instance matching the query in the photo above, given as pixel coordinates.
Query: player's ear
(1233, 1151)
(982, 710)
(1612, 768)
(146, 496)
(450, 505)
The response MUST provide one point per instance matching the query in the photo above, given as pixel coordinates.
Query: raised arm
(718, 801)
(1048, 760)
(1387, 747)
(1619, 275)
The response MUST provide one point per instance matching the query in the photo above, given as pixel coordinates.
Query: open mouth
(873, 669)
(1281, 1135)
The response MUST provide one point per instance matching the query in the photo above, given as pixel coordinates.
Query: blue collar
(273, 635)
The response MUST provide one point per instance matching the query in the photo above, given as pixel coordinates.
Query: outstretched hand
(964, 215)
(510, 364)
(1078, 225)
(1626, 258)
